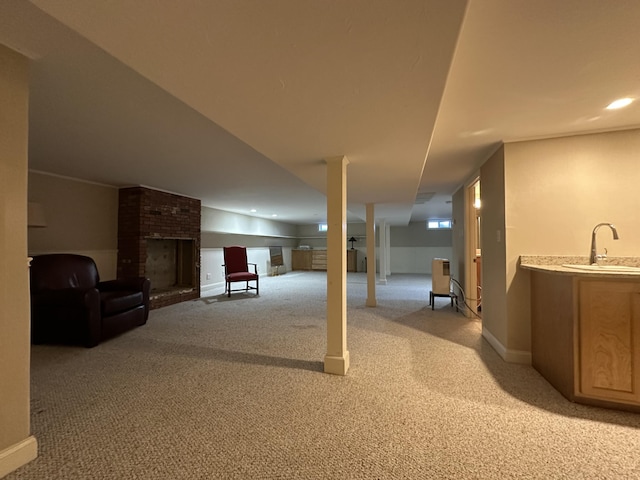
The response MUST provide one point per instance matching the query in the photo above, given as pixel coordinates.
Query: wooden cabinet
(553, 316)
(352, 260)
(609, 340)
(585, 337)
(308, 260)
(301, 259)
(317, 260)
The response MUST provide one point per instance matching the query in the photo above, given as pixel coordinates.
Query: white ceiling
(237, 102)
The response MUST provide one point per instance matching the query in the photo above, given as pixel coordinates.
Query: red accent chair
(236, 269)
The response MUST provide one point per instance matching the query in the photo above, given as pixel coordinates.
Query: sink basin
(605, 268)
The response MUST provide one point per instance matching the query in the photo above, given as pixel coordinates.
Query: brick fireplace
(159, 237)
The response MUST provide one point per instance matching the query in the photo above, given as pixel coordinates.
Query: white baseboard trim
(510, 356)
(18, 455)
(206, 290)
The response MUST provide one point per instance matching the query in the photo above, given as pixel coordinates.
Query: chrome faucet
(593, 258)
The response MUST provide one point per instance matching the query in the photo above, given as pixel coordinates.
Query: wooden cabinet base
(552, 317)
(585, 338)
(617, 405)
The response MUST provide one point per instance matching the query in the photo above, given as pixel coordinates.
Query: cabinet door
(352, 260)
(300, 260)
(609, 339)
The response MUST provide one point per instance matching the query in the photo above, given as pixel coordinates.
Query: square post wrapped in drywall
(336, 360)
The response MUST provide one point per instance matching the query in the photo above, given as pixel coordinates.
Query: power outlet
(208, 276)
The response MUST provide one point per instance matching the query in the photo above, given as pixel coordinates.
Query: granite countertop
(557, 264)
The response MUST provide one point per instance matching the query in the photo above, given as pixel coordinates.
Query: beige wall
(214, 220)
(557, 190)
(544, 197)
(458, 239)
(220, 229)
(492, 239)
(412, 246)
(309, 235)
(82, 217)
(16, 445)
(416, 234)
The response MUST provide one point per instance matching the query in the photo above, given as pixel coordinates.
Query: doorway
(473, 274)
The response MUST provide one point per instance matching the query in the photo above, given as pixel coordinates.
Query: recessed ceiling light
(274, 214)
(253, 210)
(620, 103)
(476, 133)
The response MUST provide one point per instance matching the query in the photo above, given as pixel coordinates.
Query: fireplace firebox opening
(170, 264)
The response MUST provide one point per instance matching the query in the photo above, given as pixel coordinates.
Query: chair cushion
(240, 276)
(114, 302)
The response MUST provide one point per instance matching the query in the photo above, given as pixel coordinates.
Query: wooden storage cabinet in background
(301, 259)
(352, 260)
(317, 260)
(609, 340)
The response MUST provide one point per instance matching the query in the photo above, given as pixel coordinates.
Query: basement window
(438, 223)
(323, 227)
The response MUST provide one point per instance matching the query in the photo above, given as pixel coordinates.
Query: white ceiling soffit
(92, 117)
(302, 80)
(533, 69)
(297, 80)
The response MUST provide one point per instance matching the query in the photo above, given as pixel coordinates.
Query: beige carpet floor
(221, 388)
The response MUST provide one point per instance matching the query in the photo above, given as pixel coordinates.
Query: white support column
(371, 256)
(336, 360)
(388, 255)
(382, 276)
(17, 445)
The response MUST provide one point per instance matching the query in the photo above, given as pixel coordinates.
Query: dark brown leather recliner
(69, 303)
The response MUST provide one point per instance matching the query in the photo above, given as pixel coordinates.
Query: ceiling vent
(423, 197)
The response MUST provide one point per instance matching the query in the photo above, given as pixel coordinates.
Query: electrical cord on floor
(462, 296)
